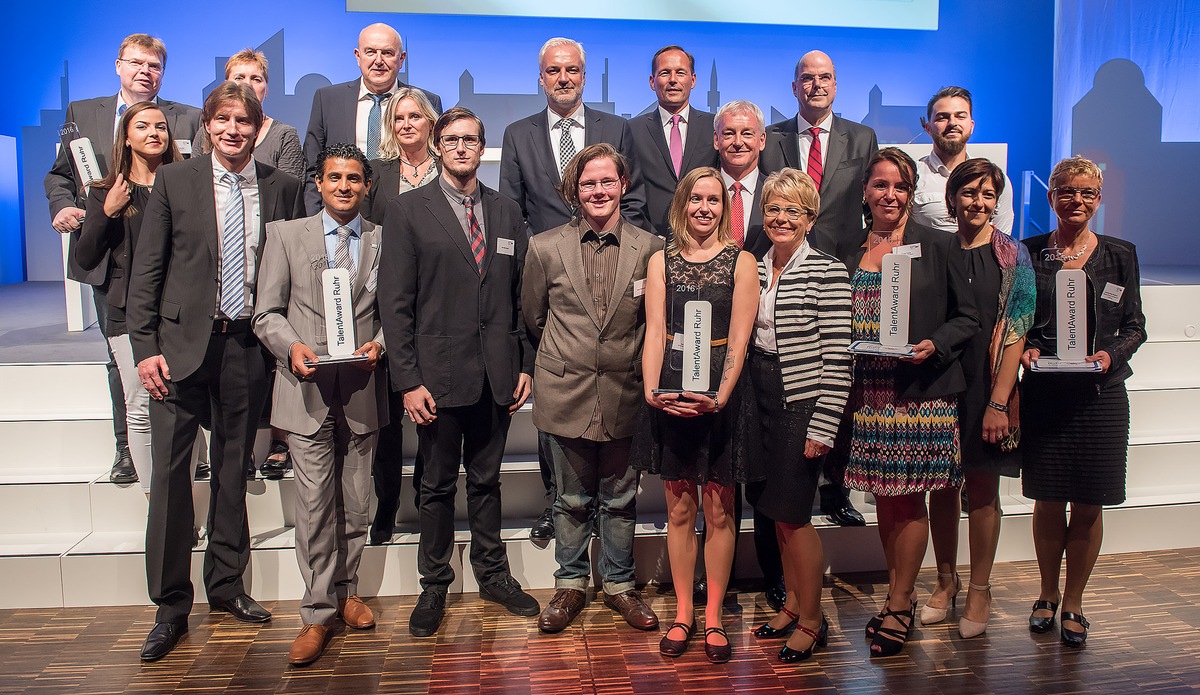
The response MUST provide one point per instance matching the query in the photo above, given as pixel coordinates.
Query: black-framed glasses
(793, 214)
(139, 65)
(1066, 193)
(450, 142)
(606, 184)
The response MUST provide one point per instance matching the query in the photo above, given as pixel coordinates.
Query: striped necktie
(341, 252)
(814, 168)
(566, 146)
(475, 234)
(373, 119)
(233, 249)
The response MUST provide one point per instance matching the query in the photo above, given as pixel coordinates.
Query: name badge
(677, 343)
(910, 250)
(1112, 292)
(185, 147)
(505, 246)
(639, 287)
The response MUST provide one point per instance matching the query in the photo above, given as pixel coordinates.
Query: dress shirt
(804, 140)
(929, 200)
(685, 115)
(365, 103)
(764, 323)
(749, 183)
(455, 197)
(117, 118)
(576, 130)
(600, 252)
(252, 224)
(330, 226)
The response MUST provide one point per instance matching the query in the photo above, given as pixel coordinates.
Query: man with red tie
(739, 138)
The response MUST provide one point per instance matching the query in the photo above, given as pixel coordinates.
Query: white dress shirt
(804, 140)
(929, 200)
(249, 188)
(555, 134)
(684, 116)
(764, 323)
(363, 114)
(749, 183)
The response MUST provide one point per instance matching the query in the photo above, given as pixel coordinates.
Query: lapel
(368, 253)
(206, 193)
(106, 116)
(788, 144)
(312, 239)
(572, 259)
(591, 131)
(655, 123)
(699, 140)
(438, 206)
(835, 155)
(348, 106)
(754, 227)
(539, 126)
(268, 195)
(491, 227)
(627, 257)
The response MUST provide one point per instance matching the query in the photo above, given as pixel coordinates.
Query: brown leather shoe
(562, 609)
(633, 609)
(308, 645)
(356, 614)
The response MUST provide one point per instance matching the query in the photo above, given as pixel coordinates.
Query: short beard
(950, 147)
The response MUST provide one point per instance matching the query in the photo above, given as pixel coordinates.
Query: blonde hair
(1076, 166)
(389, 148)
(795, 185)
(247, 56)
(677, 218)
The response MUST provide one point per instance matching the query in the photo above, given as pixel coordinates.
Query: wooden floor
(1144, 609)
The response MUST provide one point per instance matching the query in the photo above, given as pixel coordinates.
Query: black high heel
(888, 641)
(765, 631)
(1042, 625)
(820, 638)
(874, 623)
(1072, 638)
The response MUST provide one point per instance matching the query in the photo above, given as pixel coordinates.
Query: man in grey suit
(332, 412)
(582, 297)
(352, 112)
(141, 61)
(672, 139)
(191, 299)
(835, 158)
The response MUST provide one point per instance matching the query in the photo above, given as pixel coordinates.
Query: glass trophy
(1070, 321)
(339, 318)
(691, 347)
(895, 293)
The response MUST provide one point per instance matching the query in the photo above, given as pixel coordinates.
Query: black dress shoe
(508, 593)
(279, 460)
(1041, 625)
(243, 608)
(844, 513)
(776, 595)
(162, 639)
(123, 471)
(427, 614)
(1072, 638)
(543, 528)
(381, 533)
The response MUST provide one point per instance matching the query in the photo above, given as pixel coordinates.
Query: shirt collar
(613, 236)
(935, 163)
(249, 172)
(685, 115)
(363, 91)
(576, 115)
(457, 195)
(331, 225)
(824, 125)
(749, 181)
(798, 255)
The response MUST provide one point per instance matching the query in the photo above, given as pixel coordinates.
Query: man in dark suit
(449, 297)
(191, 298)
(672, 139)
(352, 112)
(836, 159)
(738, 139)
(141, 60)
(834, 152)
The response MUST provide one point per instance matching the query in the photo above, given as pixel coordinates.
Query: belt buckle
(224, 326)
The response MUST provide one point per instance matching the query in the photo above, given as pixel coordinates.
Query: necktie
(737, 214)
(474, 234)
(341, 252)
(814, 167)
(373, 119)
(121, 110)
(676, 144)
(566, 146)
(233, 250)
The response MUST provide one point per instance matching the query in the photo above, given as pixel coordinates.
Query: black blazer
(447, 325)
(173, 286)
(654, 157)
(529, 174)
(333, 117)
(942, 309)
(757, 241)
(851, 146)
(103, 238)
(384, 188)
(95, 118)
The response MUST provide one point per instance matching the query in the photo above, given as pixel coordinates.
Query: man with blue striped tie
(189, 309)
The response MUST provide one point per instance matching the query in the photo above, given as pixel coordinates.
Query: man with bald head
(830, 149)
(352, 112)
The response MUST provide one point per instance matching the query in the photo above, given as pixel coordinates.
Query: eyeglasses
(139, 65)
(450, 142)
(1065, 193)
(606, 184)
(793, 214)
(822, 79)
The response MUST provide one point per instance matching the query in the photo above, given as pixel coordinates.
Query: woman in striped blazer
(800, 368)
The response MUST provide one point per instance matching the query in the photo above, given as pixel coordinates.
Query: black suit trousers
(474, 436)
(116, 392)
(228, 391)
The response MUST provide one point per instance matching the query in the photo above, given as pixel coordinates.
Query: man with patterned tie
(450, 299)
(190, 301)
(332, 412)
(832, 150)
(352, 112)
(738, 138)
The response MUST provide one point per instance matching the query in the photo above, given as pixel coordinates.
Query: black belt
(759, 352)
(231, 326)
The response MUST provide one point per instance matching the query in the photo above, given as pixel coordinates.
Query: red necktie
(814, 168)
(478, 247)
(737, 214)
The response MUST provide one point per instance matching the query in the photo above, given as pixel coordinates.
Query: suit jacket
(851, 146)
(450, 326)
(529, 172)
(654, 157)
(95, 118)
(581, 360)
(385, 188)
(290, 308)
(333, 119)
(941, 308)
(757, 241)
(176, 270)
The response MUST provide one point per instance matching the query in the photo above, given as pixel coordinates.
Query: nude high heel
(932, 614)
(968, 628)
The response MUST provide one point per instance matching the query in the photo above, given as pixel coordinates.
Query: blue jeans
(594, 478)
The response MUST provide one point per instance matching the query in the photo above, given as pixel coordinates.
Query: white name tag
(639, 287)
(505, 246)
(677, 342)
(185, 147)
(910, 250)
(1112, 292)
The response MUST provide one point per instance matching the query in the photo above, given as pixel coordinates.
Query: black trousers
(766, 545)
(226, 393)
(546, 464)
(387, 469)
(474, 437)
(115, 391)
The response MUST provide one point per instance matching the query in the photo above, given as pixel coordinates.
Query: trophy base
(875, 349)
(336, 359)
(1054, 364)
(710, 394)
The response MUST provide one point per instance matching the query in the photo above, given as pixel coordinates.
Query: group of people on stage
(573, 284)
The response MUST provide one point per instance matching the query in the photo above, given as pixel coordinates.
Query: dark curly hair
(343, 151)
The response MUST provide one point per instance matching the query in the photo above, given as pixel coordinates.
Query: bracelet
(998, 406)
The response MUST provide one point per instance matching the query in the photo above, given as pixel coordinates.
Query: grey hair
(562, 41)
(739, 106)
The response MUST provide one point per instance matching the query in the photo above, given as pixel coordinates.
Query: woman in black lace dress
(693, 440)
